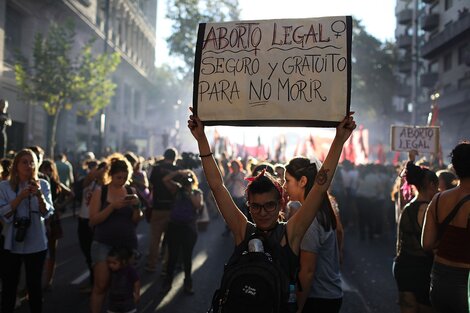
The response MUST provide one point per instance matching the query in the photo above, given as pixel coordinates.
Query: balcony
(405, 16)
(404, 41)
(404, 66)
(403, 90)
(429, 80)
(454, 99)
(451, 34)
(430, 22)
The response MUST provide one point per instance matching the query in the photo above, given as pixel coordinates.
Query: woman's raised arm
(299, 223)
(234, 218)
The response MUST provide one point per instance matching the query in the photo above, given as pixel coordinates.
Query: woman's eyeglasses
(268, 206)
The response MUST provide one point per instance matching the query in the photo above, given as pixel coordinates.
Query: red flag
(351, 153)
(433, 116)
(433, 120)
(381, 154)
(312, 144)
(343, 155)
(361, 141)
(396, 158)
(297, 147)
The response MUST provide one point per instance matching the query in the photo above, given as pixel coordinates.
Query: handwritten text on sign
(422, 139)
(273, 70)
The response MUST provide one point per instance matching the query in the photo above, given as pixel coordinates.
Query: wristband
(205, 155)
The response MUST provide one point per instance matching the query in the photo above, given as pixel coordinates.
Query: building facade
(124, 26)
(433, 37)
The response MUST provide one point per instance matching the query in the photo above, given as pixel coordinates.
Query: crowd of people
(300, 208)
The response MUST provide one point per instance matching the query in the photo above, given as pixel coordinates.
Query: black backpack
(253, 282)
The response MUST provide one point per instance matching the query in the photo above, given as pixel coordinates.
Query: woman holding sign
(412, 265)
(265, 198)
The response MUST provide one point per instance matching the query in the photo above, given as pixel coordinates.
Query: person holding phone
(25, 203)
(114, 212)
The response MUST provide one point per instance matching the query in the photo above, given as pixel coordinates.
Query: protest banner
(424, 139)
(289, 72)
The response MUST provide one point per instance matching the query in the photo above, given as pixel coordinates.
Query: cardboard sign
(292, 72)
(424, 139)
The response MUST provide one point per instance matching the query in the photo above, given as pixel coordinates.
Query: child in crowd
(124, 291)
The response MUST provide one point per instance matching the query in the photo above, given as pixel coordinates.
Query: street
(367, 276)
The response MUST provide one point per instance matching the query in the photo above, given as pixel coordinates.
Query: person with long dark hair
(61, 195)
(447, 231)
(319, 273)
(25, 203)
(412, 265)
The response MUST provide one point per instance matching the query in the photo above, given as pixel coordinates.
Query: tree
(57, 81)
(186, 16)
(373, 79)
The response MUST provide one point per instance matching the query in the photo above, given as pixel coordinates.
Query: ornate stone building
(125, 26)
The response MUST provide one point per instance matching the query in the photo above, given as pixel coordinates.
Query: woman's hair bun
(414, 174)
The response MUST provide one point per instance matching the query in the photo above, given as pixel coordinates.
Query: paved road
(368, 283)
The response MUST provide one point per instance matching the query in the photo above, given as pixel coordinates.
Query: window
(433, 67)
(100, 13)
(448, 4)
(86, 3)
(447, 88)
(81, 120)
(463, 53)
(137, 104)
(127, 99)
(13, 29)
(464, 83)
(447, 62)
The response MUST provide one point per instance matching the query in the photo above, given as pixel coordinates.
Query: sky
(378, 16)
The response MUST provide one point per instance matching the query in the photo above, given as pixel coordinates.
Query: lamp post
(414, 63)
(102, 111)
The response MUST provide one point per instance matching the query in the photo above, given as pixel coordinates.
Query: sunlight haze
(378, 16)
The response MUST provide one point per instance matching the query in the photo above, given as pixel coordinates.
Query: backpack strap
(451, 215)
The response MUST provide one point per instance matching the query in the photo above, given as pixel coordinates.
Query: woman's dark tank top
(454, 245)
(118, 229)
(409, 232)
